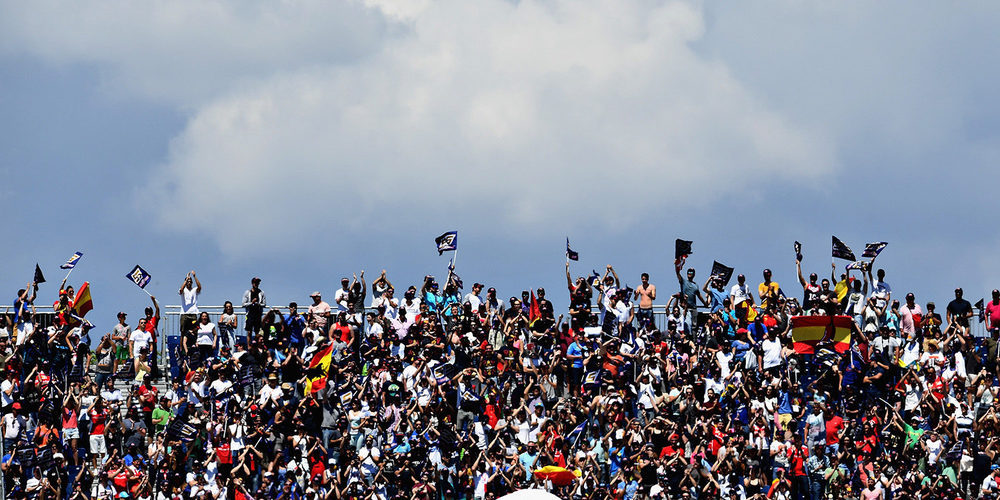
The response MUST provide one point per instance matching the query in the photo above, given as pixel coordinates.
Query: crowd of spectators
(431, 392)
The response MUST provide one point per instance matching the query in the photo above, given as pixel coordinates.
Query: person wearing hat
(319, 311)
(119, 335)
(254, 302)
(270, 393)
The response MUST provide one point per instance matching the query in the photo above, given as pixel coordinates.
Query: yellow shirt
(765, 290)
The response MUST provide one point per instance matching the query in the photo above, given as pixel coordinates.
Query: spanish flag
(809, 331)
(319, 368)
(82, 303)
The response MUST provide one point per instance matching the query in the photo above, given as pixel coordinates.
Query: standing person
(152, 317)
(254, 302)
(340, 297)
(959, 311)
(189, 292)
(388, 301)
(139, 342)
(768, 291)
(207, 337)
(810, 290)
(993, 311)
(227, 325)
(356, 299)
(716, 295)
(909, 316)
(119, 335)
(690, 294)
(473, 298)
(319, 311)
(646, 293)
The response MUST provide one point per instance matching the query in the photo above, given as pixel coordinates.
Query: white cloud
(310, 116)
(487, 111)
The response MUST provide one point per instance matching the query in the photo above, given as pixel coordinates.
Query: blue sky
(304, 141)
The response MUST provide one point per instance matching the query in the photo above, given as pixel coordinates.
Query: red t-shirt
(833, 426)
(151, 326)
(797, 459)
(224, 454)
(993, 314)
(97, 421)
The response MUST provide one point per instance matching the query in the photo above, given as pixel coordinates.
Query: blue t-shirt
(295, 326)
(574, 350)
(740, 349)
(690, 291)
(717, 298)
(527, 461)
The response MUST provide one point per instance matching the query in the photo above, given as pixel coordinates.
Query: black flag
(722, 272)
(873, 249)
(842, 251)
(38, 275)
(682, 248)
(798, 252)
(570, 254)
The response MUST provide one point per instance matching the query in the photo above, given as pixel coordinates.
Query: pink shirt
(993, 313)
(906, 317)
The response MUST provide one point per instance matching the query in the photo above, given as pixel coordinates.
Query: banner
(722, 271)
(570, 254)
(71, 263)
(810, 331)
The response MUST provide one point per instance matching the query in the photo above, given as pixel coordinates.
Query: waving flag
(842, 251)
(810, 331)
(71, 263)
(82, 304)
(575, 434)
(682, 248)
(570, 254)
(858, 264)
(39, 278)
(139, 276)
(873, 249)
(534, 311)
(722, 272)
(447, 242)
(319, 369)
(798, 251)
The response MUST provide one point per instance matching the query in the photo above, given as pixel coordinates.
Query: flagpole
(69, 273)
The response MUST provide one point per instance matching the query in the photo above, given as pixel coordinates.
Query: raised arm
(798, 270)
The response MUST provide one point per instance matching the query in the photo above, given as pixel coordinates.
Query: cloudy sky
(304, 140)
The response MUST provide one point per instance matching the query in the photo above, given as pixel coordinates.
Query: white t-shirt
(739, 293)
(206, 334)
(189, 302)
(391, 306)
(6, 400)
(340, 297)
(139, 339)
(772, 353)
(473, 300)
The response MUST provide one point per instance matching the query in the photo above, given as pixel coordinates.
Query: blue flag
(570, 254)
(873, 249)
(71, 263)
(447, 242)
(139, 276)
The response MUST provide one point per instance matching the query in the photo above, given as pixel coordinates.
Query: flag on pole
(858, 264)
(722, 272)
(682, 248)
(535, 311)
(842, 251)
(71, 263)
(810, 331)
(319, 369)
(873, 249)
(139, 276)
(575, 434)
(82, 304)
(181, 429)
(447, 242)
(39, 278)
(570, 254)
(798, 252)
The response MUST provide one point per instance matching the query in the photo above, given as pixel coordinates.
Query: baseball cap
(315, 294)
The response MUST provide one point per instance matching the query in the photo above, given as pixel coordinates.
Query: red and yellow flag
(82, 303)
(809, 331)
(319, 368)
(534, 311)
